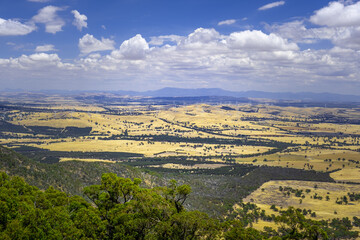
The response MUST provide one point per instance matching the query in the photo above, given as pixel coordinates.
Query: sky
(274, 46)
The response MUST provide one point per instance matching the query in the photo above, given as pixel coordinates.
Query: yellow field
(85, 160)
(347, 175)
(196, 166)
(263, 122)
(150, 149)
(190, 130)
(269, 194)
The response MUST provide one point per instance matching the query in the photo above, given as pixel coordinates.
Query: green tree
(293, 225)
(177, 194)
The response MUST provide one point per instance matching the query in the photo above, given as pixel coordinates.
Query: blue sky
(290, 45)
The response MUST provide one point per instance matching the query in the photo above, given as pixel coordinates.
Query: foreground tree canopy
(120, 209)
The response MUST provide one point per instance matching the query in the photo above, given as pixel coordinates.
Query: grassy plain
(347, 175)
(309, 138)
(85, 160)
(270, 194)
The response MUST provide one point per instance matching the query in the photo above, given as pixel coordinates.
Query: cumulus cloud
(88, 43)
(45, 48)
(342, 18)
(339, 22)
(298, 32)
(259, 41)
(80, 20)
(48, 16)
(337, 14)
(227, 22)
(348, 38)
(33, 61)
(160, 40)
(244, 59)
(15, 28)
(202, 35)
(133, 49)
(271, 5)
(42, 57)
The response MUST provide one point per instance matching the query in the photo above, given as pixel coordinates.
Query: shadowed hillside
(215, 191)
(70, 177)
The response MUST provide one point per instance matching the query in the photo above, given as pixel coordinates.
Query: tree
(234, 230)
(122, 209)
(293, 225)
(177, 194)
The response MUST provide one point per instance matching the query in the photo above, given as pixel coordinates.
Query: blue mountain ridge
(200, 92)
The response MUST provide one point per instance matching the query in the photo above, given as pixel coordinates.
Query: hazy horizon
(163, 88)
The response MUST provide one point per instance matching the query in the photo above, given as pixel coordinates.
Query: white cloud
(240, 60)
(259, 41)
(48, 16)
(15, 28)
(343, 19)
(159, 40)
(80, 20)
(348, 38)
(337, 14)
(44, 57)
(339, 21)
(133, 49)
(298, 32)
(227, 22)
(88, 43)
(202, 35)
(271, 5)
(33, 61)
(45, 48)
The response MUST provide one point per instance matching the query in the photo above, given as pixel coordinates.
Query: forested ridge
(120, 205)
(215, 191)
(119, 208)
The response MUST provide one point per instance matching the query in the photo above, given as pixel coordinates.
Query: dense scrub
(121, 209)
(70, 177)
(215, 190)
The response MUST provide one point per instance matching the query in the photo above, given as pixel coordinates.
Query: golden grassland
(269, 194)
(212, 117)
(63, 159)
(308, 159)
(149, 149)
(280, 124)
(336, 148)
(195, 166)
(347, 175)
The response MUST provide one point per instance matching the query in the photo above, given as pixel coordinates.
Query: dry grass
(195, 166)
(85, 160)
(269, 194)
(151, 149)
(347, 175)
(183, 123)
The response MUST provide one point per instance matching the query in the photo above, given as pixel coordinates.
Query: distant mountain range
(200, 92)
(218, 92)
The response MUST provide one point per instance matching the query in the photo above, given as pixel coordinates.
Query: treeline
(47, 156)
(201, 140)
(44, 130)
(121, 209)
(215, 190)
